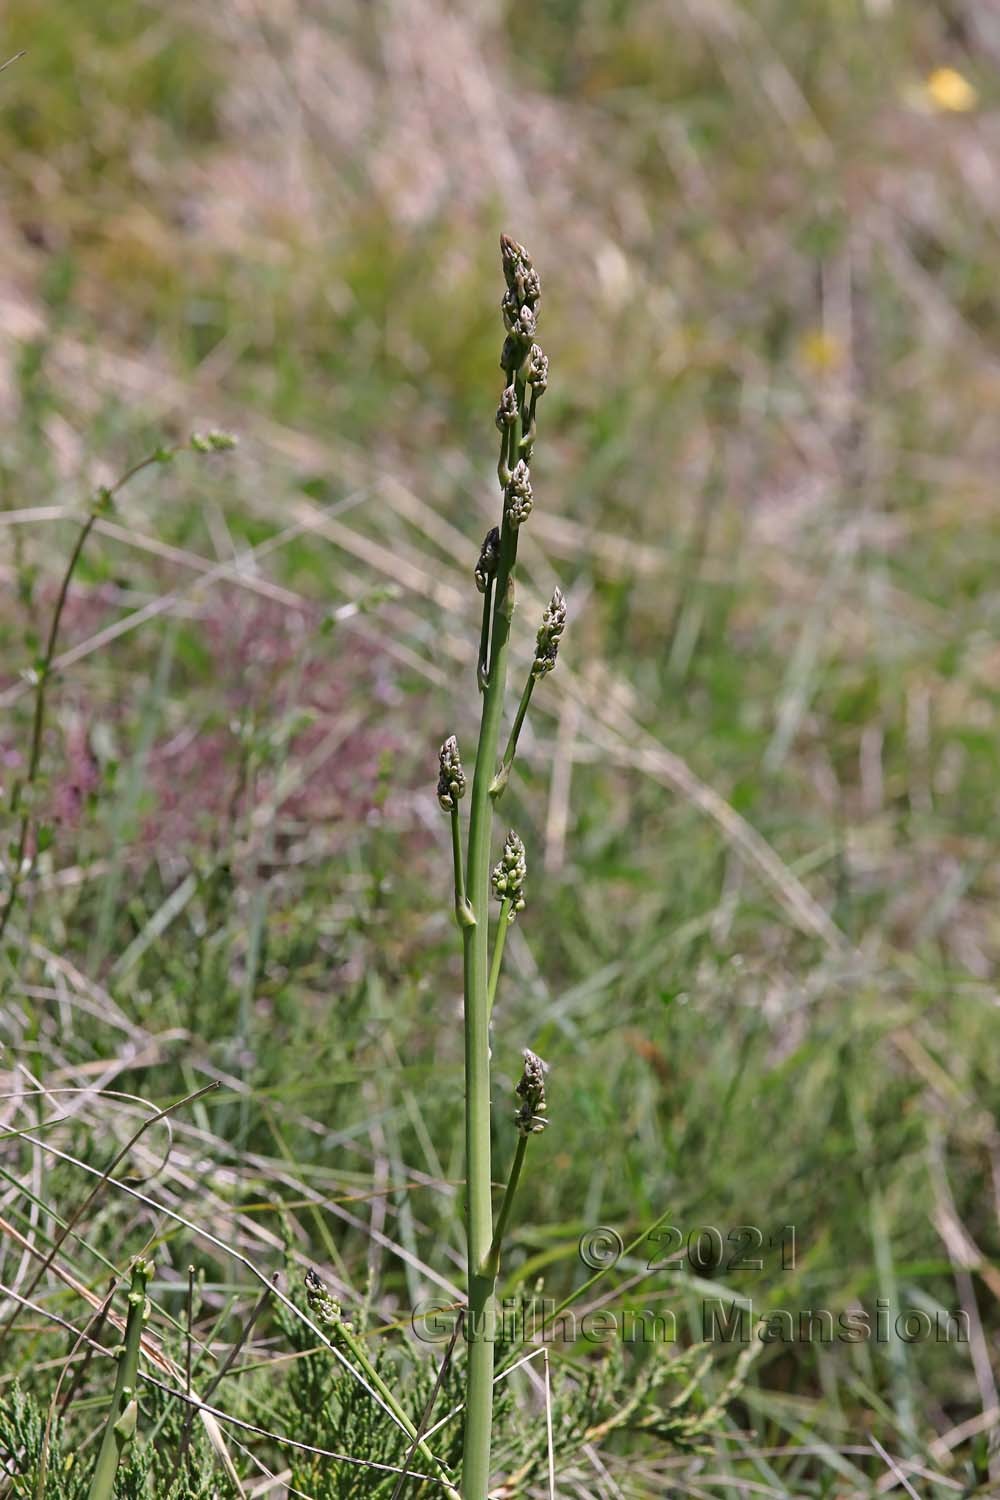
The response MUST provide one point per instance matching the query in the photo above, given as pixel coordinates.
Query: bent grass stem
(212, 442)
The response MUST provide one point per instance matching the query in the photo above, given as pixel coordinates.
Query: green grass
(767, 486)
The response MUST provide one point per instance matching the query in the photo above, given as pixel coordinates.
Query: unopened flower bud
(549, 635)
(530, 1118)
(509, 874)
(515, 260)
(509, 308)
(451, 779)
(531, 287)
(518, 499)
(507, 410)
(525, 322)
(538, 370)
(324, 1308)
(489, 556)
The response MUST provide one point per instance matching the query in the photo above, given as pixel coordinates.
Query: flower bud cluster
(507, 410)
(518, 500)
(530, 1117)
(451, 778)
(549, 635)
(509, 874)
(520, 307)
(538, 369)
(324, 1308)
(527, 370)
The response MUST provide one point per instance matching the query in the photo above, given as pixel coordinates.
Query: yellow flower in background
(821, 352)
(947, 90)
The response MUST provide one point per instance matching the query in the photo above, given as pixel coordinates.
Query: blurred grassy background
(758, 796)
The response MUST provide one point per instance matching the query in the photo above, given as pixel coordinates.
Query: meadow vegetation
(758, 794)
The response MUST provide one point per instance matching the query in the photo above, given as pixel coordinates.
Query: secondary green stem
(120, 1426)
(484, 638)
(499, 781)
(357, 1349)
(349, 1347)
(498, 943)
(463, 911)
(493, 1260)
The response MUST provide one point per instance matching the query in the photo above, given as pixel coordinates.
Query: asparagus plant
(525, 369)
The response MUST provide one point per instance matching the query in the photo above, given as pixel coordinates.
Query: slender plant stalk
(425, 1415)
(103, 502)
(341, 1334)
(525, 370)
(546, 651)
(507, 1203)
(498, 947)
(530, 1120)
(119, 1429)
(500, 780)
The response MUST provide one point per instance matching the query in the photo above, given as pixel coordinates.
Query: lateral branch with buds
(526, 371)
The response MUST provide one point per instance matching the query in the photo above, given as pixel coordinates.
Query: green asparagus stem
(530, 1120)
(341, 1334)
(498, 947)
(525, 369)
(450, 791)
(546, 651)
(120, 1427)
